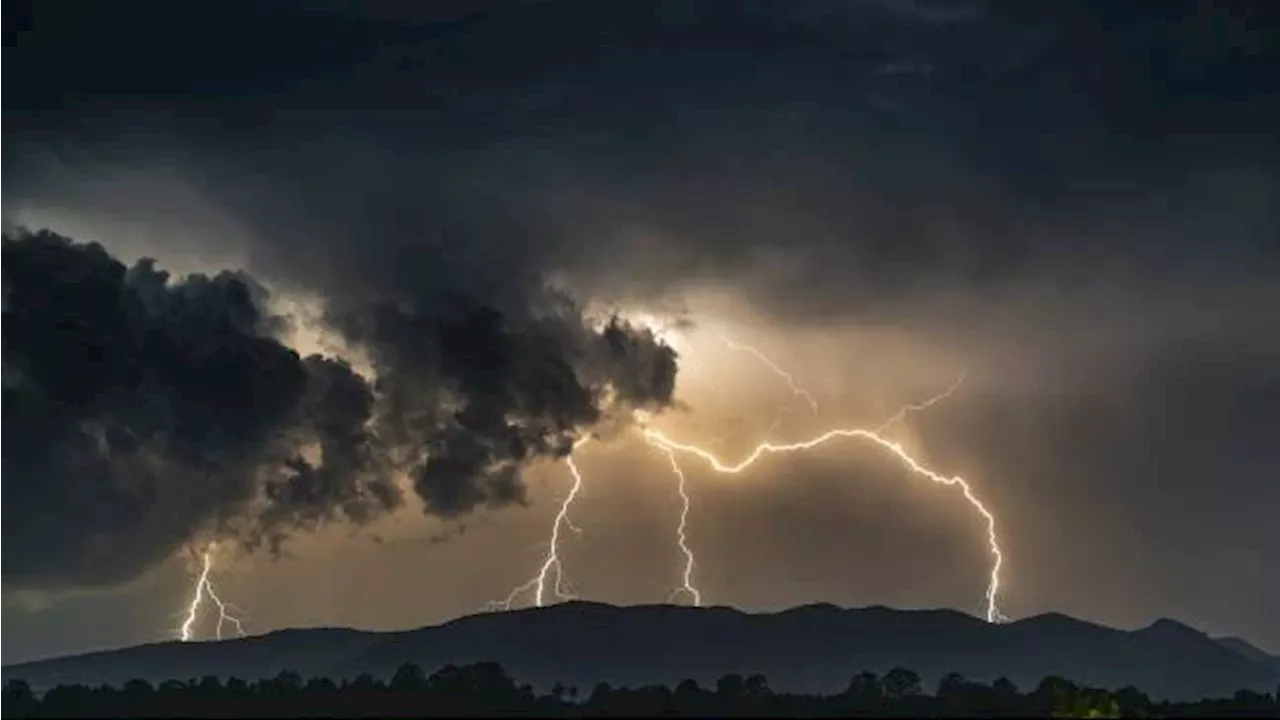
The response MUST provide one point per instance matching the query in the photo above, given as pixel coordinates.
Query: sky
(336, 287)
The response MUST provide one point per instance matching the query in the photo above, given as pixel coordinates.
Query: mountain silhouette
(1249, 650)
(813, 648)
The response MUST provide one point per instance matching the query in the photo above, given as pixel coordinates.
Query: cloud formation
(1073, 200)
(142, 411)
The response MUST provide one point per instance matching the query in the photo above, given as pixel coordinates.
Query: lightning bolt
(204, 588)
(690, 561)
(682, 539)
(917, 407)
(787, 377)
(769, 448)
(551, 568)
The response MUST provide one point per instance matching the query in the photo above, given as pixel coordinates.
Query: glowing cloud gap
(551, 561)
(204, 588)
(768, 448)
(786, 376)
(686, 579)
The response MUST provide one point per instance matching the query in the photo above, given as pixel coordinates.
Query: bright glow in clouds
(661, 441)
(549, 583)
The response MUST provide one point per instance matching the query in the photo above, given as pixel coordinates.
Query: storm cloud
(1073, 200)
(142, 412)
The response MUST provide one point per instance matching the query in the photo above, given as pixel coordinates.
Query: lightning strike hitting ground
(687, 586)
(686, 579)
(551, 561)
(204, 588)
(768, 448)
(786, 376)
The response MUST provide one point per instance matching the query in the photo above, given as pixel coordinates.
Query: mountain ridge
(1249, 650)
(808, 648)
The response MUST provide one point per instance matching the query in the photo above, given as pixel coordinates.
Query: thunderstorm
(551, 570)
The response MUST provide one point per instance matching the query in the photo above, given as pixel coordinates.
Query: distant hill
(815, 648)
(1249, 650)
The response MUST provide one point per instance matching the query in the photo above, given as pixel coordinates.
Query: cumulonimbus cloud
(141, 411)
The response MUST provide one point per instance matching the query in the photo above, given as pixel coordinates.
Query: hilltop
(812, 649)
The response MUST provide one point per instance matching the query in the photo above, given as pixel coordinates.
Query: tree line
(485, 689)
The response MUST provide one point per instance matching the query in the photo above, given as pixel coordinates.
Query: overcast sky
(427, 219)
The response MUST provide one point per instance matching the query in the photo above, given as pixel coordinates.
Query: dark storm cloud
(92, 349)
(140, 412)
(642, 144)
(1072, 190)
(1048, 146)
(646, 147)
(481, 391)
(426, 261)
(351, 475)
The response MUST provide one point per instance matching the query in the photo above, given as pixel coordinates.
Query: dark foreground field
(485, 689)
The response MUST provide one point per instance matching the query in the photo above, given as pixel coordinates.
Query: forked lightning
(768, 448)
(551, 561)
(204, 589)
(690, 562)
(787, 377)
(917, 407)
(551, 577)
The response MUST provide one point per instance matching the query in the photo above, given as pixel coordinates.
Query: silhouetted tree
(953, 694)
(1054, 696)
(756, 686)
(19, 700)
(731, 687)
(1133, 703)
(901, 683)
(485, 689)
(1004, 699)
(287, 682)
(687, 697)
(1004, 687)
(409, 677)
(320, 686)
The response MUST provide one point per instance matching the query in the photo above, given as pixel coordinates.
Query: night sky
(403, 259)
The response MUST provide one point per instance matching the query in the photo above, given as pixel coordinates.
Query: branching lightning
(551, 579)
(768, 448)
(787, 377)
(682, 537)
(917, 407)
(551, 568)
(204, 588)
(690, 561)
(551, 576)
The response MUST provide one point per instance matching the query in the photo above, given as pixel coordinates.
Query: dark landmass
(487, 690)
(1251, 651)
(811, 649)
